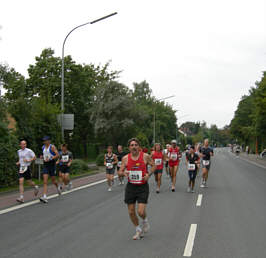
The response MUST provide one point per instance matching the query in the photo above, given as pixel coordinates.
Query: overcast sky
(207, 53)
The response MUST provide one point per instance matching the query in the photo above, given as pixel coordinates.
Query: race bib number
(191, 166)
(206, 162)
(135, 177)
(22, 169)
(174, 156)
(109, 165)
(158, 162)
(46, 157)
(65, 158)
(119, 163)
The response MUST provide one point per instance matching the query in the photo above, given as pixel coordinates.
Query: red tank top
(174, 155)
(158, 159)
(137, 170)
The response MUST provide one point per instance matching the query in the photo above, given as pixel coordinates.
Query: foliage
(79, 166)
(100, 160)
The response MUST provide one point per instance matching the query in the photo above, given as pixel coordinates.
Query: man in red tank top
(134, 167)
(174, 155)
(158, 157)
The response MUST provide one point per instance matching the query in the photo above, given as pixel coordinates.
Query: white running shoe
(145, 227)
(188, 189)
(36, 190)
(59, 190)
(192, 191)
(44, 200)
(20, 200)
(109, 189)
(202, 185)
(69, 186)
(138, 235)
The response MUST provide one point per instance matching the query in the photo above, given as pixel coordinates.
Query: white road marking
(190, 240)
(20, 206)
(199, 200)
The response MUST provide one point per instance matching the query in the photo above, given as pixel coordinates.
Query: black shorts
(166, 164)
(49, 168)
(26, 174)
(64, 169)
(136, 193)
(110, 171)
(158, 171)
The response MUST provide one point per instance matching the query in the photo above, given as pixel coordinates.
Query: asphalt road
(230, 222)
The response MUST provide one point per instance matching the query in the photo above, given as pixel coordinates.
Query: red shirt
(158, 159)
(174, 154)
(137, 169)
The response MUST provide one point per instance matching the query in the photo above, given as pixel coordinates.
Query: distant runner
(192, 160)
(166, 152)
(110, 160)
(205, 152)
(120, 154)
(64, 162)
(26, 156)
(174, 155)
(158, 157)
(50, 154)
(134, 166)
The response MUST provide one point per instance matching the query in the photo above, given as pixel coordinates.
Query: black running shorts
(136, 193)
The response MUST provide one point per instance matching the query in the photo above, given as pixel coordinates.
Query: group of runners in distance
(137, 166)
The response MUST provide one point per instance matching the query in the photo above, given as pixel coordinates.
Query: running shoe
(173, 189)
(123, 182)
(192, 191)
(202, 185)
(36, 190)
(157, 190)
(69, 186)
(20, 200)
(109, 189)
(44, 200)
(138, 235)
(145, 226)
(188, 189)
(59, 190)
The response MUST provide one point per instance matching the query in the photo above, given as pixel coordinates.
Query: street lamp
(63, 64)
(154, 119)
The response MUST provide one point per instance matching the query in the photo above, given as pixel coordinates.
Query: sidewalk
(254, 158)
(9, 199)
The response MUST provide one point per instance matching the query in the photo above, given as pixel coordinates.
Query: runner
(192, 160)
(26, 156)
(110, 160)
(64, 162)
(50, 154)
(158, 157)
(205, 152)
(174, 155)
(166, 152)
(120, 154)
(137, 189)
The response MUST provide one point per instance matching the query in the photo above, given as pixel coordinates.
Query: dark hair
(192, 147)
(133, 140)
(64, 145)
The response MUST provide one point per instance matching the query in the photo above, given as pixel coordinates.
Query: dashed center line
(199, 200)
(190, 240)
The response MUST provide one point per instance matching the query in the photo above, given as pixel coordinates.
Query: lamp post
(154, 117)
(63, 64)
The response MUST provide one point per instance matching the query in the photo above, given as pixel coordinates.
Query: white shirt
(25, 154)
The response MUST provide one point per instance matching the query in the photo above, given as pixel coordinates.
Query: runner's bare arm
(150, 161)
(104, 160)
(56, 152)
(116, 160)
(122, 169)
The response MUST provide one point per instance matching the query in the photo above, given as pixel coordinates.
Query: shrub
(100, 160)
(79, 166)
